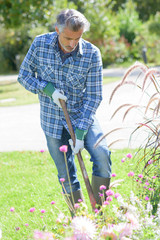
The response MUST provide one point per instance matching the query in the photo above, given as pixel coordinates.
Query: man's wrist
(49, 89)
(80, 134)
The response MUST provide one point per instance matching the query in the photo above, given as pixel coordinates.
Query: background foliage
(121, 29)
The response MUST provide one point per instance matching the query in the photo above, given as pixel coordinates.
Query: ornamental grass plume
(83, 228)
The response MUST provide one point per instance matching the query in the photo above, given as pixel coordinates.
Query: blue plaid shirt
(79, 76)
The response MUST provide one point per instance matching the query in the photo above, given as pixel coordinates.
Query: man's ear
(57, 30)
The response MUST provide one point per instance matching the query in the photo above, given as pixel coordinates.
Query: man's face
(68, 39)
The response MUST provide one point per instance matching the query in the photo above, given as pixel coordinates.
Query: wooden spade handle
(79, 156)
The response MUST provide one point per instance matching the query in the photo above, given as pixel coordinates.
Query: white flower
(84, 228)
(149, 207)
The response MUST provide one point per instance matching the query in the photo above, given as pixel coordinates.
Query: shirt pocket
(48, 73)
(76, 81)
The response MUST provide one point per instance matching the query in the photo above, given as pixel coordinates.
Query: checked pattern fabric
(79, 77)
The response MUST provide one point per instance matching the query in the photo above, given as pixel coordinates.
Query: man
(62, 65)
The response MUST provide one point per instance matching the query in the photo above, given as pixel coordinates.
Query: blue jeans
(100, 156)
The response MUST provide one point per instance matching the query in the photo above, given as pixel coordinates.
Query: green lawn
(29, 179)
(13, 94)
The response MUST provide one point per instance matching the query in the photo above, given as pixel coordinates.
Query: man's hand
(58, 95)
(79, 145)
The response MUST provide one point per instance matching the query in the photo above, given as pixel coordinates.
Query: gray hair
(73, 20)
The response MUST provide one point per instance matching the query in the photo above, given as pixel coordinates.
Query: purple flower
(53, 202)
(129, 155)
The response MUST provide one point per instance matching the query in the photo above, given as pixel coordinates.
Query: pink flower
(96, 210)
(123, 160)
(26, 224)
(12, 209)
(106, 203)
(129, 155)
(130, 174)
(117, 195)
(76, 205)
(53, 202)
(146, 198)
(100, 194)
(133, 220)
(109, 232)
(62, 180)
(42, 151)
(83, 228)
(154, 177)
(124, 229)
(43, 211)
(63, 148)
(80, 200)
(42, 235)
(109, 192)
(147, 183)
(140, 176)
(150, 161)
(32, 209)
(114, 175)
(17, 228)
(102, 187)
(109, 198)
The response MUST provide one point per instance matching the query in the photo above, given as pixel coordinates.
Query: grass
(29, 179)
(13, 94)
